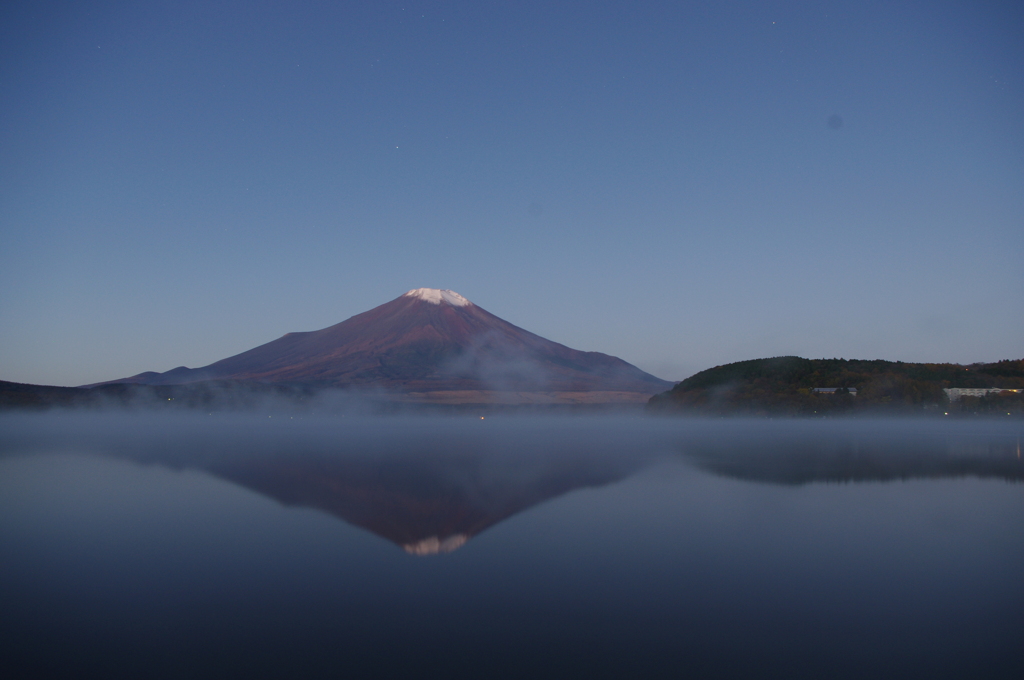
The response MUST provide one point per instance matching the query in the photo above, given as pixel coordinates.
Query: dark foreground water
(222, 546)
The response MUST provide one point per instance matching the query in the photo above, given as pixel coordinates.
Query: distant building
(954, 393)
(833, 390)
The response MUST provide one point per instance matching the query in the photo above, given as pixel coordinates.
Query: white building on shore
(833, 390)
(954, 393)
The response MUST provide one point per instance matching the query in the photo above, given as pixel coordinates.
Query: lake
(210, 546)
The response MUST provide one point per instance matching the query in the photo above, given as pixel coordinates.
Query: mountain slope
(424, 340)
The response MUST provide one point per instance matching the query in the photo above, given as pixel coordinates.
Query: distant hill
(219, 395)
(784, 386)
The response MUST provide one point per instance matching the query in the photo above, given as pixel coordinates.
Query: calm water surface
(237, 546)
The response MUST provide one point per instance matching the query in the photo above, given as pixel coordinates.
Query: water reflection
(885, 452)
(427, 486)
(431, 485)
(433, 495)
(603, 548)
(428, 500)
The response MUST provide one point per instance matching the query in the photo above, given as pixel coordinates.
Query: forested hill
(784, 385)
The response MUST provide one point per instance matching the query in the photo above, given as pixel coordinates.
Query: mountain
(786, 385)
(427, 341)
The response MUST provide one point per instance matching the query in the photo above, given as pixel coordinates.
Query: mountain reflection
(425, 485)
(427, 501)
(869, 456)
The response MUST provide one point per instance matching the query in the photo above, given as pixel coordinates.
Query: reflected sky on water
(232, 545)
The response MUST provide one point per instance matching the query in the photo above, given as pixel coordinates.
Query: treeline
(784, 386)
(215, 395)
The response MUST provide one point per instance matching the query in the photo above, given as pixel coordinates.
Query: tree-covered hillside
(784, 385)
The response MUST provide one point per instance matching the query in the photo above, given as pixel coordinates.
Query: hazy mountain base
(251, 396)
(531, 398)
(783, 386)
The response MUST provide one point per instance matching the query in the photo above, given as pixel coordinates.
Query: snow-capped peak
(436, 296)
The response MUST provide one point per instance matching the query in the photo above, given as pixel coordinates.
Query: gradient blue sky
(182, 181)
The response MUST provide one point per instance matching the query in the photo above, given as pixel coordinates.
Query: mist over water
(226, 544)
